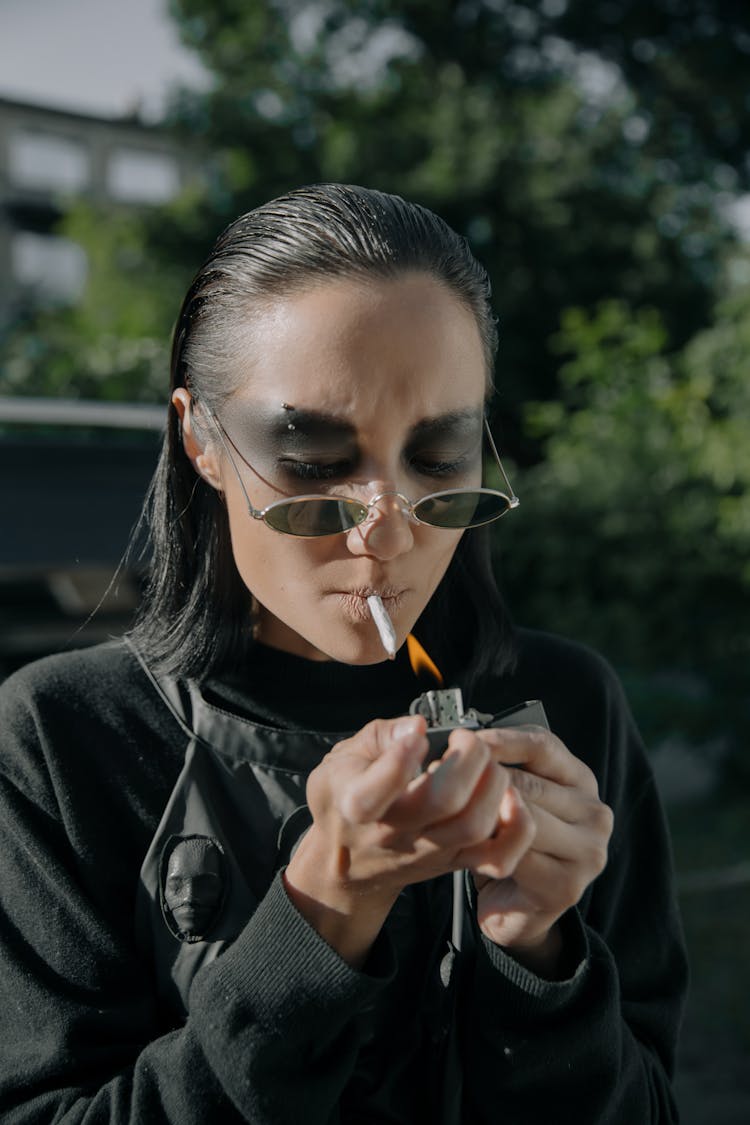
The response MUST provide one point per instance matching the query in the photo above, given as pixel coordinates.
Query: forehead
(356, 347)
(186, 860)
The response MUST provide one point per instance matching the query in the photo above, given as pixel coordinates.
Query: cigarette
(384, 625)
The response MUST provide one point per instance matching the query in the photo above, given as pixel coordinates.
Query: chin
(354, 642)
(354, 648)
(360, 655)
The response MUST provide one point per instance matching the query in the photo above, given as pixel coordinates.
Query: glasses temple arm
(513, 499)
(254, 512)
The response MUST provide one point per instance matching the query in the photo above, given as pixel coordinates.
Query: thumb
(392, 750)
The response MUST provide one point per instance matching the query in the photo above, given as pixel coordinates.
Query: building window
(44, 162)
(54, 268)
(135, 176)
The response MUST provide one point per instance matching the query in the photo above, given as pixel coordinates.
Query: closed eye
(434, 467)
(316, 470)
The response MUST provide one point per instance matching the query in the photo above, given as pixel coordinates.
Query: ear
(202, 455)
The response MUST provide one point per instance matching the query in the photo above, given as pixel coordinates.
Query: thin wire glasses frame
(312, 515)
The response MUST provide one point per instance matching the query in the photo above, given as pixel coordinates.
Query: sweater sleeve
(597, 1046)
(271, 1035)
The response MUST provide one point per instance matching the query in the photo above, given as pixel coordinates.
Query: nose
(187, 892)
(387, 531)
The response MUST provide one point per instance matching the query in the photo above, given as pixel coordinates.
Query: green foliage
(113, 344)
(634, 531)
(575, 147)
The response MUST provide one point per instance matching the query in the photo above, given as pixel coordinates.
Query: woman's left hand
(569, 850)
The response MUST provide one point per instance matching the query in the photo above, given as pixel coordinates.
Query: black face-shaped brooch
(193, 884)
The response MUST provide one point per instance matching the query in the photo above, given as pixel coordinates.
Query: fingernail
(404, 728)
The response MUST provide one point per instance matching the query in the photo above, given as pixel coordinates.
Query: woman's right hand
(379, 825)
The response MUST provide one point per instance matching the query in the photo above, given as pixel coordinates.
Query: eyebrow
(445, 423)
(314, 423)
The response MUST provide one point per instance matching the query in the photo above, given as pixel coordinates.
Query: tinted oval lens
(325, 516)
(461, 509)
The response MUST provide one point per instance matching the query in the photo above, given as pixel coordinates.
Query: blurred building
(50, 158)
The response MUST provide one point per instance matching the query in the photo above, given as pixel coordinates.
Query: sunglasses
(313, 516)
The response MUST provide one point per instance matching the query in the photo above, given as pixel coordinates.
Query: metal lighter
(444, 711)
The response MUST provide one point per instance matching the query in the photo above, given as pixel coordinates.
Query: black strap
(170, 691)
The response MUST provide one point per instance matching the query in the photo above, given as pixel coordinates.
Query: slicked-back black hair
(197, 614)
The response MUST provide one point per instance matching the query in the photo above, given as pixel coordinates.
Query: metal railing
(82, 412)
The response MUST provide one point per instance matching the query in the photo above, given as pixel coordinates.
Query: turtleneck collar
(289, 692)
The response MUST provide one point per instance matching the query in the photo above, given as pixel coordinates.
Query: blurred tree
(113, 344)
(585, 150)
(634, 531)
(574, 144)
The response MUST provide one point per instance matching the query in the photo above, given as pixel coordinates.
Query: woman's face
(354, 387)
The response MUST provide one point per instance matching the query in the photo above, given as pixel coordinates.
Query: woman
(228, 888)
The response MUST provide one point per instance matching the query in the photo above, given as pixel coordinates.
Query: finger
(570, 803)
(379, 736)
(583, 844)
(563, 801)
(477, 819)
(540, 752)
(515, 830)
(450, 789)
(553, 885)
(390, 754)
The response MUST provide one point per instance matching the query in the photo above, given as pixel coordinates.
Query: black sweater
(275, 1030)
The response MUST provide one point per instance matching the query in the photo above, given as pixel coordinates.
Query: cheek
(267, 561)
(172, 892)
(252, 542)
(443, 551)
(435, 554)
(257, 554)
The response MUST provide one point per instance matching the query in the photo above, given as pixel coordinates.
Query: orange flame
(420, 661)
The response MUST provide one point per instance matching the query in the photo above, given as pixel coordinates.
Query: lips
(192, 919)
(354, 602)
(386, 593)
